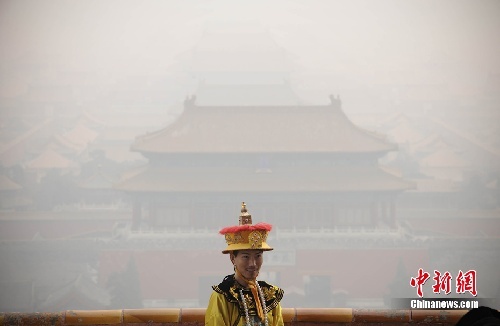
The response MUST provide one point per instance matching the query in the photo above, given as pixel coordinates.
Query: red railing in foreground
(195, 316)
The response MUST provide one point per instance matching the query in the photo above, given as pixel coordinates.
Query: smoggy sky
(456, 38)
(343, 47)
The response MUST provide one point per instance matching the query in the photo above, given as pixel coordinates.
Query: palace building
(347, 230)
(290, 162)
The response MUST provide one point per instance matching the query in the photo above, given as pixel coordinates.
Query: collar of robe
(229, 287)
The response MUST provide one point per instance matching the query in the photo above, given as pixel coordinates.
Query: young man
(241, 300)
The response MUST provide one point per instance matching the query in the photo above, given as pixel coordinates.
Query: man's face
(248, 262)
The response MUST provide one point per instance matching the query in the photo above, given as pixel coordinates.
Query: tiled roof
(7, 184)
(62, 143)
(444, 158)
(82, 293)
(81, 135)
(262, 129)
(432, 143)
(17, 145)
(435, 185)
(50, 160)
(289, 179)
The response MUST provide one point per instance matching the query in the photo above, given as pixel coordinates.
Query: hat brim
(246, 246)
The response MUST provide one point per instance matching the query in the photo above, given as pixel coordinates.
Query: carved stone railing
(195, 316)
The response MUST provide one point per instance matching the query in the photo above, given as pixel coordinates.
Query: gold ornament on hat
(245, 217)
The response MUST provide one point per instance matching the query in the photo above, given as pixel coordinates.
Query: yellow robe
(225, 307)
(220, 312)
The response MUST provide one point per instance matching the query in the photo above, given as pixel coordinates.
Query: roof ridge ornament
(190, 101)
(335, 102)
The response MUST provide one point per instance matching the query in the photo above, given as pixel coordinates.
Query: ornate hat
(246, 235)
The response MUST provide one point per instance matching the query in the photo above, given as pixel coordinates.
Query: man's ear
(231, 257)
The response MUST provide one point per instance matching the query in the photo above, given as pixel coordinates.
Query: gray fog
(365, 131)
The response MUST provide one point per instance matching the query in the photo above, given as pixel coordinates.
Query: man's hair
(235, 252)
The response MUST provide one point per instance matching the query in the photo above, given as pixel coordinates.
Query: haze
(356, 42)
(85, 79)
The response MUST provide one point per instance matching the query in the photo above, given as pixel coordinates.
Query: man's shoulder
(225, 285)
(227, 288)
(265, 285)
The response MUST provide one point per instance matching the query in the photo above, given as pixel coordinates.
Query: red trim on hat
(246, 227)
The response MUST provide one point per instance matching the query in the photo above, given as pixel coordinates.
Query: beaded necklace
(247, 316)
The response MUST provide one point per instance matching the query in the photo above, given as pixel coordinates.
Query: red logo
(442, 282)
(465, 282)
(419, 281)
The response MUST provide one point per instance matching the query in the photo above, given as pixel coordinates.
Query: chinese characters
(465, 282)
